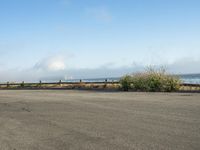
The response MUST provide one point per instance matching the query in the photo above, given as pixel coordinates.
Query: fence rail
(189, 84)
(85, 82)
(64, 84)
(60, 82)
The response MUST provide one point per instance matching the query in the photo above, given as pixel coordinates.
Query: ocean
(190, 78)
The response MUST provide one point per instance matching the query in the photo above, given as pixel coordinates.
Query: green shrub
(126, 82)
(151, 81)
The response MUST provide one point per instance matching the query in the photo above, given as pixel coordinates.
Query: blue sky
(97, 38)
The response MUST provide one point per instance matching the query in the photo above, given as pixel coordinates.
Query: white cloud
(55, 63)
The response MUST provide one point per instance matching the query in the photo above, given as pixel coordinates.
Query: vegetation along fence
(82, 85)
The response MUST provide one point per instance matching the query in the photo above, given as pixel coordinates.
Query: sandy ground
(80, 120)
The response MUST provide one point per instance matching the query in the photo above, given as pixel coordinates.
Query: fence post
(105, 85)
(60, 82)
(22, 85)
(40, 83)
(7, 84)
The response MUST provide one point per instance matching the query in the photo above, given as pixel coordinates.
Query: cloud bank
(55, 68)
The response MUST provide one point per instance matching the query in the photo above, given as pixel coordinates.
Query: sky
(61, 39)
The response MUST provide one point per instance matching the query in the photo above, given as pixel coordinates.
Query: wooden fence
(59, 82)
(81, 83)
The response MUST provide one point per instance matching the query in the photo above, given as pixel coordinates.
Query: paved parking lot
(84, 120)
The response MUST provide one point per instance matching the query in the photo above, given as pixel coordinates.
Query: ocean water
(190, 78)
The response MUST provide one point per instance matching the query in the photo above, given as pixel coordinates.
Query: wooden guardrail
(189, 84)
(85, 82)
(60, 82)
(184, 86)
